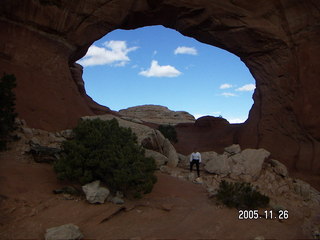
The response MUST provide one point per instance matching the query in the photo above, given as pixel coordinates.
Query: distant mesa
(157, 114)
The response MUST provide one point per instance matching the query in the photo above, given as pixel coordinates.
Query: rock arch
(277, 40)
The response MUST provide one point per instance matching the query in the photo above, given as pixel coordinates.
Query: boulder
(64, 232)
(95, 193)
(158, 157)
(245, 166)
(170, 152)
(207, 156)
(249, 162)
(220, 164)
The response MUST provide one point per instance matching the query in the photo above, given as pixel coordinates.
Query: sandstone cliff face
(278, 41)
(157, 114)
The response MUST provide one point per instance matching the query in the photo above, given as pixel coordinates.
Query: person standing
(195, 158)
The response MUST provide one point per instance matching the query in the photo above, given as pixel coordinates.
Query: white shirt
(195, 156)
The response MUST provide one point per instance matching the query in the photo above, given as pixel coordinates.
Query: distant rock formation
(206, 134)
(157, 114)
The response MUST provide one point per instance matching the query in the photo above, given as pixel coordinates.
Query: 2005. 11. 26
(268, 214)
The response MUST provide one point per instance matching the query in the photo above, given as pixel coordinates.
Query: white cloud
(112, 53)
(217, 114)
(199, 115)
(225, 86)
(236, 120)
(247, 88)
(156, 70)
(228, 94)
(186, 50)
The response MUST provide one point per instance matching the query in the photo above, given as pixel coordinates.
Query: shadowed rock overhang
(277, 40)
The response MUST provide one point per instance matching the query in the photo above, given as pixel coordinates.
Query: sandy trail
(176, 209)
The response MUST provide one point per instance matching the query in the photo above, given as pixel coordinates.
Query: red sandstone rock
(277, 40)
(206, 134)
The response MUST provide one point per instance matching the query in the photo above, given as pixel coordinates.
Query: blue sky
(157, 65)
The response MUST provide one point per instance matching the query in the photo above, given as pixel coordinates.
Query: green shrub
(241, 195)
(169, 132)
(102, 150)
(7, 108)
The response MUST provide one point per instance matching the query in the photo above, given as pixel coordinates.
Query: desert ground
(176, 209)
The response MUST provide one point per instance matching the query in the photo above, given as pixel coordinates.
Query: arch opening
(159, 66)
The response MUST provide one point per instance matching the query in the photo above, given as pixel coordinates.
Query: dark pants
(197, 165)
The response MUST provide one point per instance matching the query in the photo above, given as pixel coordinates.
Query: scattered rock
(117, 200)
(198, 180)
(67, 196)
(35, 140)
(212, 192)
(95, 193)
(64, 232)
(67, 134)
(191, 176)
(233, 149)
(165, 169)
(302, 188)
(44, 154)
(279, 168)
(67, 190)
(276, 207)
(27, 131)
(283, 189)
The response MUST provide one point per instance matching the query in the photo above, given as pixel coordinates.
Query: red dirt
(176, 209)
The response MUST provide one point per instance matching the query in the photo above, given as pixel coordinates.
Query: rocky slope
(157, 114)
(277, 40)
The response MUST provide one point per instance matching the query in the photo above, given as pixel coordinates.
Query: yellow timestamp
(267, 214)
